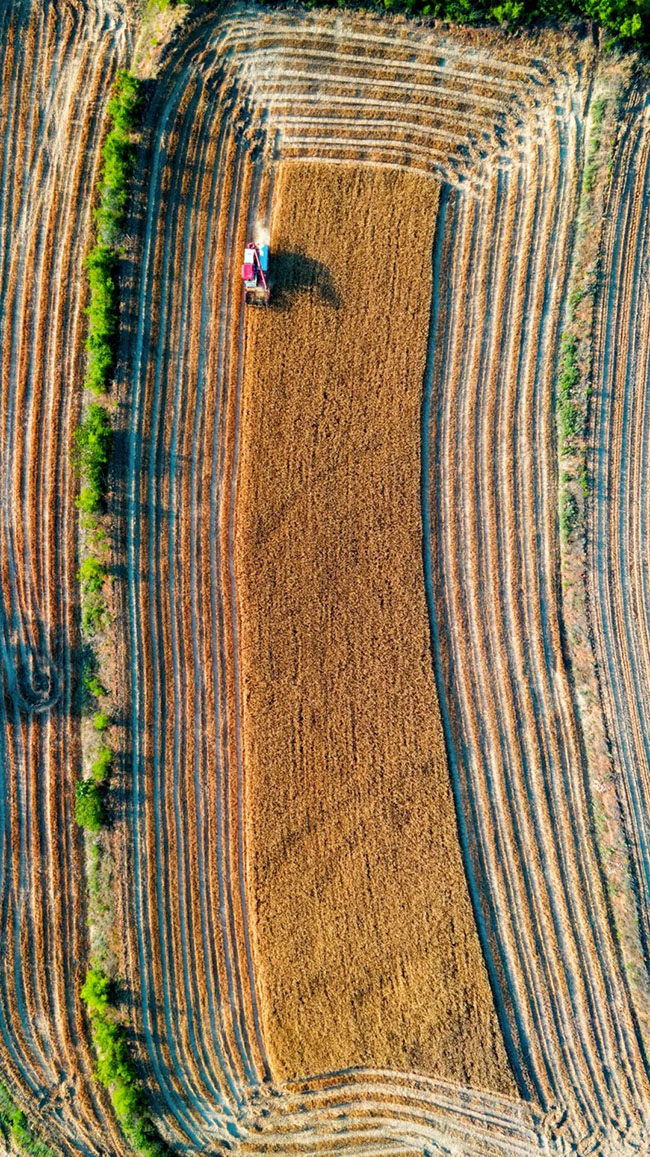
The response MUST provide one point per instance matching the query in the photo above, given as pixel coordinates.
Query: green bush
(90, 499)
(118, 157)
(589, 178)
(101, 721)
(124, 106)
(93, 686)
(127, 1100)
(509, 12)
(97, 990)
(569, 512)
(584, 479)
(91, 574)
(89, 808)
(101, 264)
(114, 1065)
(598, 111)
(93, 445)
(143, 1138)
(102, 316)
(570, 423)
(14, 1123)
(569, 414)
(575, 297)
(115, 1069)
(118, 165)
(102, 764)
(93, 612)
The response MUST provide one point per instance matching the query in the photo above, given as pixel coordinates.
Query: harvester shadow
(293, 273)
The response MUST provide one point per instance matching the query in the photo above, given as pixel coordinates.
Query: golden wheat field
(355, 868)
(351, 655)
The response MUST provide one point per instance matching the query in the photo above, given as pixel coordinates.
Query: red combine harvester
(254, 271)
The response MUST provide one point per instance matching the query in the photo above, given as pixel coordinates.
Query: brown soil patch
(366, 952)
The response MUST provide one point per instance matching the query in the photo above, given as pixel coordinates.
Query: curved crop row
(514, 741)
(184, 771)
(617, 571)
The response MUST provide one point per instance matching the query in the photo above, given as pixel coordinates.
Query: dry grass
(366, 949)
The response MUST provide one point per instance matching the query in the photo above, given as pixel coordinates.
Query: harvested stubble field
(363, 904)
(57, 61)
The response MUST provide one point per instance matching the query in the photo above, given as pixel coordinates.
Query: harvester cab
(254, 271)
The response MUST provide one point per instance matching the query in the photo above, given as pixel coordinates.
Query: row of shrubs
(118, 157)
(115, 1068)
(628, 20)
(570, 418)
(14, 1126)
(93, 447)
(94, 435)
(570, 422)
(89, 802)
(573, 390)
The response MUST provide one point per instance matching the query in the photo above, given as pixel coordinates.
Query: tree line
(626, 20)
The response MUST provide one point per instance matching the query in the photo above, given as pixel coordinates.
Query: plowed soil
(361, 913)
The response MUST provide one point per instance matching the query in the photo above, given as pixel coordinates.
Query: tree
(96, 990)
(89, 809)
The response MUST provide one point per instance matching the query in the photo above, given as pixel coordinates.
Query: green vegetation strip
(117, 166)
(93, 446)
(574, 377)
(115, 1068)
(571, 420)
(94, 435)
(627, 20)
(14, 1127)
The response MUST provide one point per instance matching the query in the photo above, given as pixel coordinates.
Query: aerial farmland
(324, 579)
